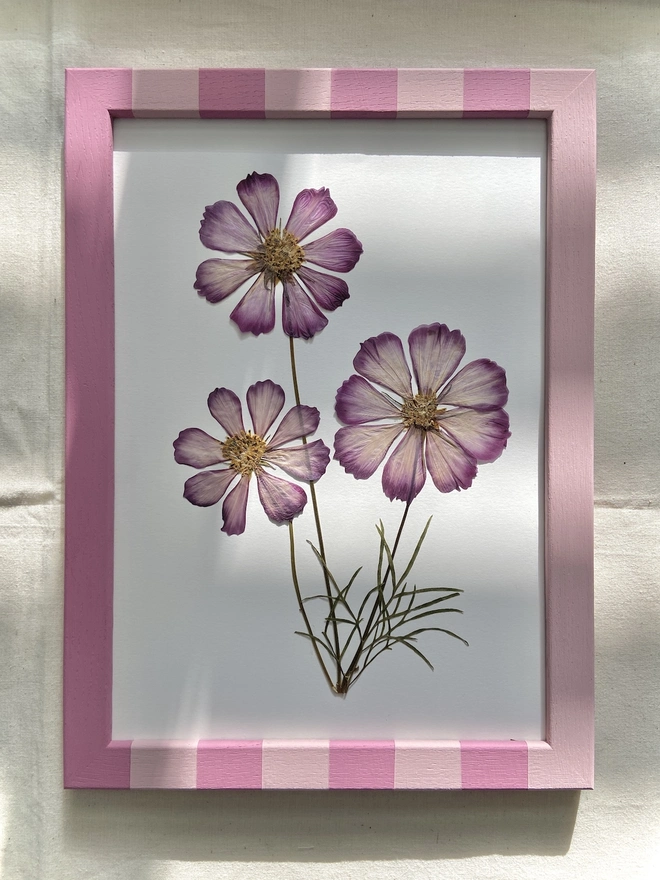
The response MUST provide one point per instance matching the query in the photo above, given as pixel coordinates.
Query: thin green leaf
(365, 601)
(435, 590)
(318, 642)
(341, 593)
(390, 559)
(379, 570)
(419, 654)
(348, 642)
(436, 629)
(411, 610)
(418, 547)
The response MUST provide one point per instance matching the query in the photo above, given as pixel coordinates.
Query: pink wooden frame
(566, 98)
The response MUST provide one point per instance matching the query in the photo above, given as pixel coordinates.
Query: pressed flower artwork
(333, 439)
(245, 454)
(273, 254)
(449, 424)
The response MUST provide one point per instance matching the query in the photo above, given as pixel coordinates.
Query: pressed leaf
(419, 653)
(418, 547)
(429, 604)
(318, 642)
(437, 629)
(435, 590)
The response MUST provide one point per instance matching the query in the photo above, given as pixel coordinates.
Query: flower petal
(358, 402)
(449, 465)
(224, 228)
(381, 360)
(226, 408)
(197, 448)
(208, 487)
(255, 313)
(306, 462)
(300, 421)
(280, 499)
(216, 279)
(480, 385)
(265, 401)
(260, 194)
(311, 209)
(436, 351)
(234, 508)
(481, 434)
(301, 318)
(404, 473)
(359, 449)
(328, 291)
(339, 251)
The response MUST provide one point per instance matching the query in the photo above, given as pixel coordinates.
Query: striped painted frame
(566, 99)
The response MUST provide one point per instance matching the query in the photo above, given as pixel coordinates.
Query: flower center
(244, 452)
(280, 254)
(421, 411)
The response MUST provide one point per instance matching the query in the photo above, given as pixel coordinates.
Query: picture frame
(564, 757)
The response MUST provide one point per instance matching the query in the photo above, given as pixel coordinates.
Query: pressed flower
(276, 254)
(447, 423)
(244, 454)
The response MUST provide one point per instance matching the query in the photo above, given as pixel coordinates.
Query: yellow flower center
(421, 411)
(244, 452)
(280, 254)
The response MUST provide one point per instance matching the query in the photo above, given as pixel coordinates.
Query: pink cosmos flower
(276, 255)
(449, 425)
(244, 453)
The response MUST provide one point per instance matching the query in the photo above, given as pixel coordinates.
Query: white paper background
(449, 214)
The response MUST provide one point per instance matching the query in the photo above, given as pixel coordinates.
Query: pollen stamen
(279, 255)
(244, 452)
(421, 411)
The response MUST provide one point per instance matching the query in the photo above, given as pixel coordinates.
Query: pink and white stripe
(566, 98)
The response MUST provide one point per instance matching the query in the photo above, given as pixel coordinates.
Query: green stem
(301, 606)
(346, 683)
(317, 520)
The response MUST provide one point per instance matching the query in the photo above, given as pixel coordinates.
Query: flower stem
(346, 683)
(319, 532)
(301, 606)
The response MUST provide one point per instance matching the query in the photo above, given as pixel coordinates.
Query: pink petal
(260, 194)
(280, 499)
(480, 385)
(224, 228)
(265, 401)
(358, 402)
(328, 291)
(404, 473)
(482, 434)
(306, 462)
(311, 209)
(338, 251)
(226, 408)
(197, 448)
(255, 313)
(436, 352)
(381, 360)
(300, 421)
(449, 465)
(234, 508)
(360, 449)
(301, 318)
(208, 487)
(216, 279)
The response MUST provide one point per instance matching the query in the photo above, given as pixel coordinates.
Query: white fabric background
(613, 832)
